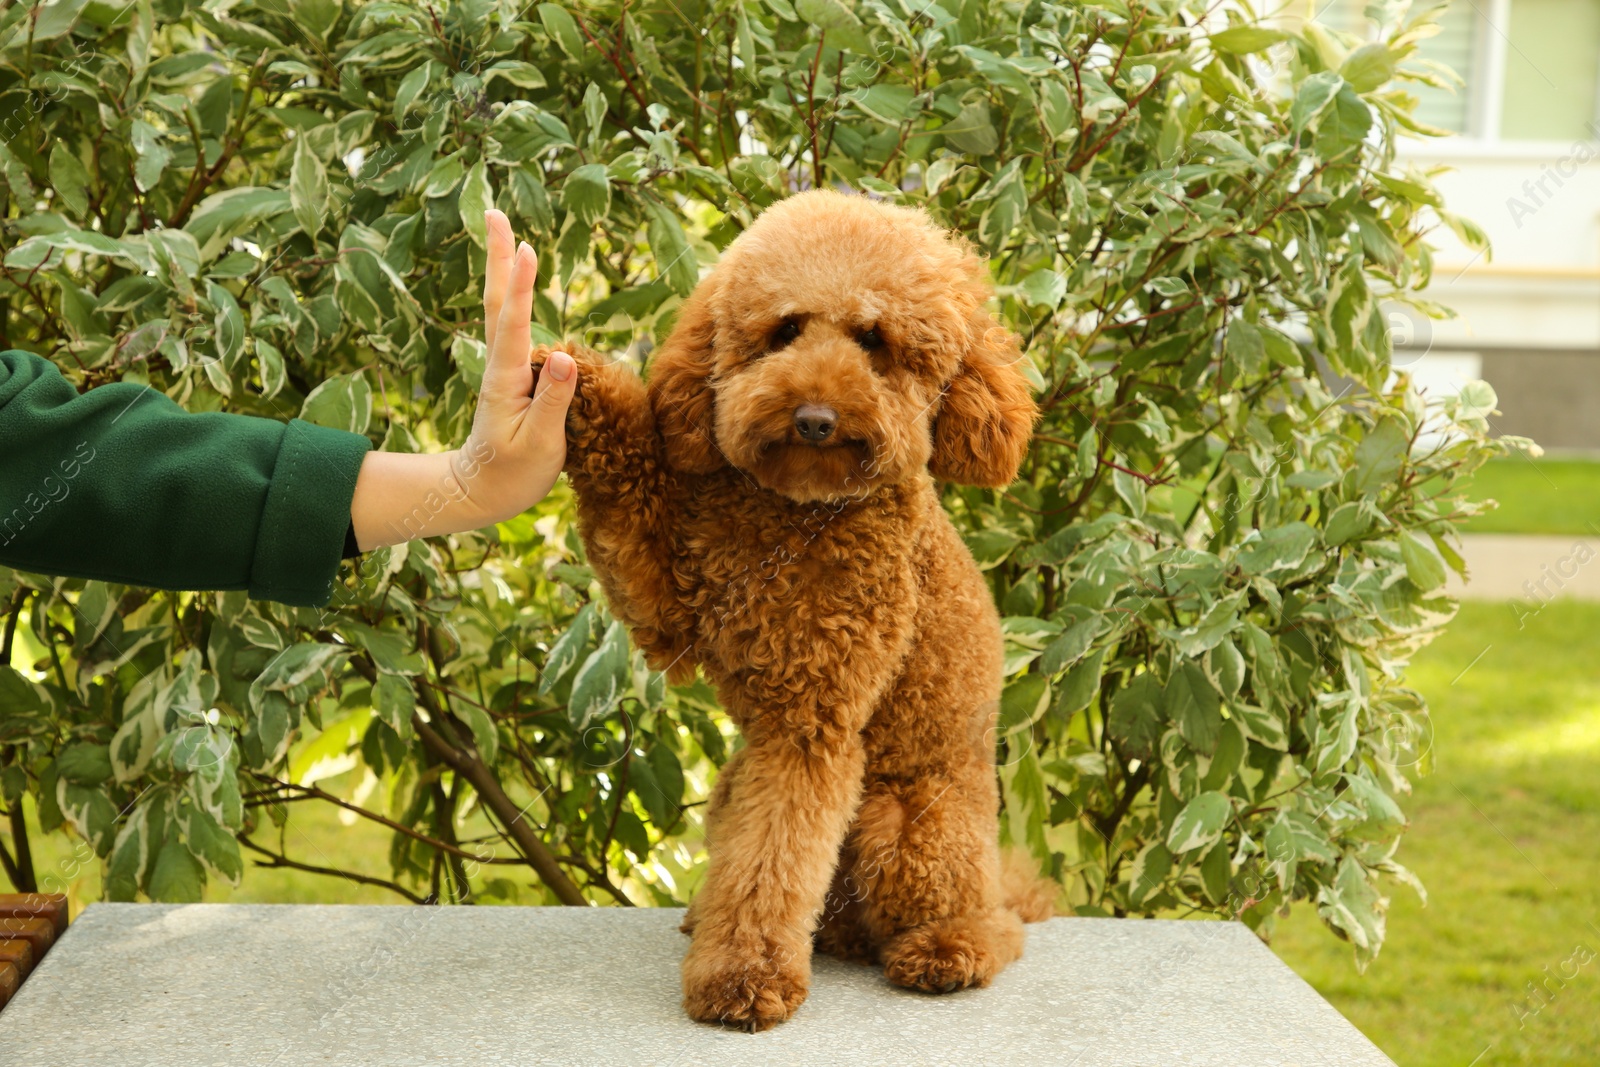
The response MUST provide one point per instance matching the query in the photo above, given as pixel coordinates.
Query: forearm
(123, 485)
(401, 496)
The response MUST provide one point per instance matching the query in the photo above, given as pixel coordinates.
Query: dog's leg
(930, 864)
(840, 931)
(626, 493)
(772, 856)
(716, 807)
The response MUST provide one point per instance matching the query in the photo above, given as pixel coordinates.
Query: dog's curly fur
(825, 593)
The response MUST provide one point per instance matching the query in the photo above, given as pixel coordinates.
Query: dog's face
(842, 344)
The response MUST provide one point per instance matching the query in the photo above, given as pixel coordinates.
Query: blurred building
(1525, 153)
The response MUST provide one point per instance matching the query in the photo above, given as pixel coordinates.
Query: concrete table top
(253, 985)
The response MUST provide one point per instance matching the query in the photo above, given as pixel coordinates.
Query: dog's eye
(870, 339)
(785, 333)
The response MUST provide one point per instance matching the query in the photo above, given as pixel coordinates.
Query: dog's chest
(768, 572)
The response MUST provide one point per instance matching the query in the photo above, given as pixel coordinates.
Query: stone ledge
(144, 985)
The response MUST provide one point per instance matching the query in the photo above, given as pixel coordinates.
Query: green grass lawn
(1539, 496)
(1503, 834)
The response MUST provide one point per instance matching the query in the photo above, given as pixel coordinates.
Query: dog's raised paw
(742, 992)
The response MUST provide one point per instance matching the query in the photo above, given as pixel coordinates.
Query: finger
(558, 381)
(508, 367)
(497, 271)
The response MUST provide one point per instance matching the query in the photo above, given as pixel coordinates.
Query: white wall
(1540, 287)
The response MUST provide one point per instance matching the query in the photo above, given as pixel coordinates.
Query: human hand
(518, 441)
(517, 444)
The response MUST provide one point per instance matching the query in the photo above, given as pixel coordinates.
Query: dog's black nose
(815, 422)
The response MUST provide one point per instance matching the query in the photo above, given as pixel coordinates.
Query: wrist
(470, 496)
(403, 496)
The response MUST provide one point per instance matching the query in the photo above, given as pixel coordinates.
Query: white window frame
(1486, 86)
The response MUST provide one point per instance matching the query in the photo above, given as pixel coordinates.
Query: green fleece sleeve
(121, 484)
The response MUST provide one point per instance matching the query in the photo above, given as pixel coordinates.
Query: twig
(280, 860)
(17, 599)
(467, 763)
(311, 792)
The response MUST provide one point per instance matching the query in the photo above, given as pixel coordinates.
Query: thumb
(558, 381)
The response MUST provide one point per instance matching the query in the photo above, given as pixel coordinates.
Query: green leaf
(657, 780)
(477, 196)
(1149, 872)
(1228, 665)
(1242, 40)
(1136, 717)
(411, 87)
(1215, 871)
(1200, 823)
(89, 811)
(522, 75)
(562, 28)
(837, 20)
(274, 373)
(972, 131)
(564, 653)
(83, 763)
(152, 155)
(1348, 522)
(485, 735)
(1079, 685)
(1246, 349)
(1383, 820)
(889, 104)
(1368, 67)
(445, 176)
(991, 546)
(178, 877)
(1423, 565)
(587, 193)
(1313, 98)
(1130, 489)
(227, 324)
(55, 18)
(1344, 127)
(134, 853)
(1044, 286)
(1261, 726)
(1057, 110)
(1220, 620)
(1023, 701)
(1280, 350)
(210, 843)
(1070, 647)
(308, 189)
(1354, 907)
(316, 17)
(602, 679)
(1006, 202)
(70, 179)
(1277, 549)
(675, 260)
(395, 701)
(1379, 456)
(1193, 704)
(222, 215)
(343, 402)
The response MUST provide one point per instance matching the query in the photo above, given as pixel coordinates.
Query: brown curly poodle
(766, 509)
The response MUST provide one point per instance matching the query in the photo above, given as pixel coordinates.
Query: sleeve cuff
(302, 535)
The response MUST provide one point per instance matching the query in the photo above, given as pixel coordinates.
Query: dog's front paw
(952, 954)
(746, 989)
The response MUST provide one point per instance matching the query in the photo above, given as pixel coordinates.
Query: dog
(766, 509)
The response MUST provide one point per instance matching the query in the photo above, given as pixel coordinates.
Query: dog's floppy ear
(985, 420)
(680, 388)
